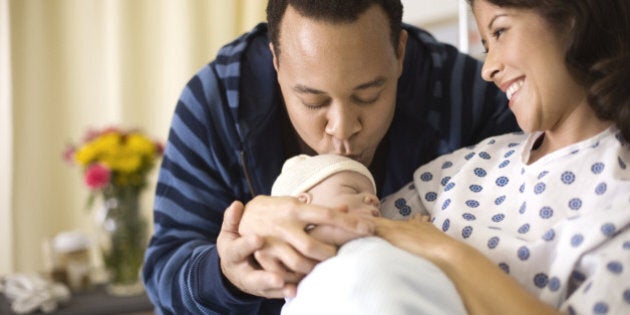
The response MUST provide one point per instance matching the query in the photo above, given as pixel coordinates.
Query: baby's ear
(305, 197)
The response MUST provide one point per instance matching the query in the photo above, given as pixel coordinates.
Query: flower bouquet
(115, 164)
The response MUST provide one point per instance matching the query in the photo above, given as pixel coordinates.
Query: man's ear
(402, 47)
(275, 58)
(305, 197)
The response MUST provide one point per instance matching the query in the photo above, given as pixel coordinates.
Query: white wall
(424, 12)
(6, 135)
(441, 18)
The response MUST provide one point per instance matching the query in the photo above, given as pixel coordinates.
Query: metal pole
(463, 26)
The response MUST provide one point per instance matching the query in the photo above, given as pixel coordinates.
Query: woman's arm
(465, 266)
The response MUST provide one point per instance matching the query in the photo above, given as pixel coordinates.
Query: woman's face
(525, 59)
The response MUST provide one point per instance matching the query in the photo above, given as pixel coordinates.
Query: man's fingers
(289, 290)
(232, 247)
(286, 260)
(271, 284)
(241, 248)
(309, 246)
(232, 217)
(325, 216)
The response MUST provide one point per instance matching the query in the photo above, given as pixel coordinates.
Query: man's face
(339, 81)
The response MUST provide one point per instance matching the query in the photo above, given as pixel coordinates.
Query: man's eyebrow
(303, 89)
(379, 81)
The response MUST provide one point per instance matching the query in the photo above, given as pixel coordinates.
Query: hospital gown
(560, 225)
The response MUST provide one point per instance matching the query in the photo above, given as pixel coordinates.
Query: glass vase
(122, 239)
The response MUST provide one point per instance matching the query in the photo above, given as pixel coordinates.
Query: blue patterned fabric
(560, 225)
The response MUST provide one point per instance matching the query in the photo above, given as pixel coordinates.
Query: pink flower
(97, 176)
(159, 148)
(90, 135)
(68, 154)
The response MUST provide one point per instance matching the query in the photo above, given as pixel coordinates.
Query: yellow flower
(124, 162)
(140, 144)
(85, 155)
(108, 144)
(129, 155)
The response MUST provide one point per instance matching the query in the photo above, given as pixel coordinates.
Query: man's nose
(343, 121)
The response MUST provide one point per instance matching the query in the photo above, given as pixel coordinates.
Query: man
(328, 76)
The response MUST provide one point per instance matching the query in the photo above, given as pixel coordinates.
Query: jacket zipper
(247, 178)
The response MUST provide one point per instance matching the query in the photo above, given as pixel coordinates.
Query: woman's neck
(558, 138)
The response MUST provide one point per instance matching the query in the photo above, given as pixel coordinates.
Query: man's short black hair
(334, 11)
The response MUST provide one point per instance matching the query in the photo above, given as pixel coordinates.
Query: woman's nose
(491, 67)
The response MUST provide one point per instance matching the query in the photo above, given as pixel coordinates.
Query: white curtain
(6, 143)
(74, 64)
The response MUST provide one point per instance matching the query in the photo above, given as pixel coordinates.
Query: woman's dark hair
(334, 11)
(598, 54)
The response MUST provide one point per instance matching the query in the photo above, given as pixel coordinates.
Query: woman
(538, 222)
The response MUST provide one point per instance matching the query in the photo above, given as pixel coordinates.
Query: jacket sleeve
(199, 177)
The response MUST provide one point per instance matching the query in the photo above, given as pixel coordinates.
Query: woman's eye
(498, 32)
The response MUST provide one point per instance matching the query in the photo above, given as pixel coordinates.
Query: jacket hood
(245, 68)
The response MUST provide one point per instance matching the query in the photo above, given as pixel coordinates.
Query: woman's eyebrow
(494, 18)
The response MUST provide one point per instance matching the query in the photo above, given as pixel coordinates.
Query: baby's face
(347, 188)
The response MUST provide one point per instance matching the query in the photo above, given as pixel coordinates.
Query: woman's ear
(305, 197)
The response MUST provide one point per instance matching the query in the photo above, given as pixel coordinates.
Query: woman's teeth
(514, 88)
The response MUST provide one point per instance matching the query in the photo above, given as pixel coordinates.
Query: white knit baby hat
(301, 172)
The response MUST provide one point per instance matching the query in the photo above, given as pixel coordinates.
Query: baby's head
(328, 180)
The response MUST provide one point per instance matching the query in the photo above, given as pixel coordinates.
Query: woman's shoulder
(499, 152)
(492, 148)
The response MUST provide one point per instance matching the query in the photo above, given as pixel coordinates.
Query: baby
(412, 285)
(332, 181)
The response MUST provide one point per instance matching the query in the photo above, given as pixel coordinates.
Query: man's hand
(237, 262)
(288, 251)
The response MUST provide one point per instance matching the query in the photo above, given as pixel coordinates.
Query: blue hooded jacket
(225, 144)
